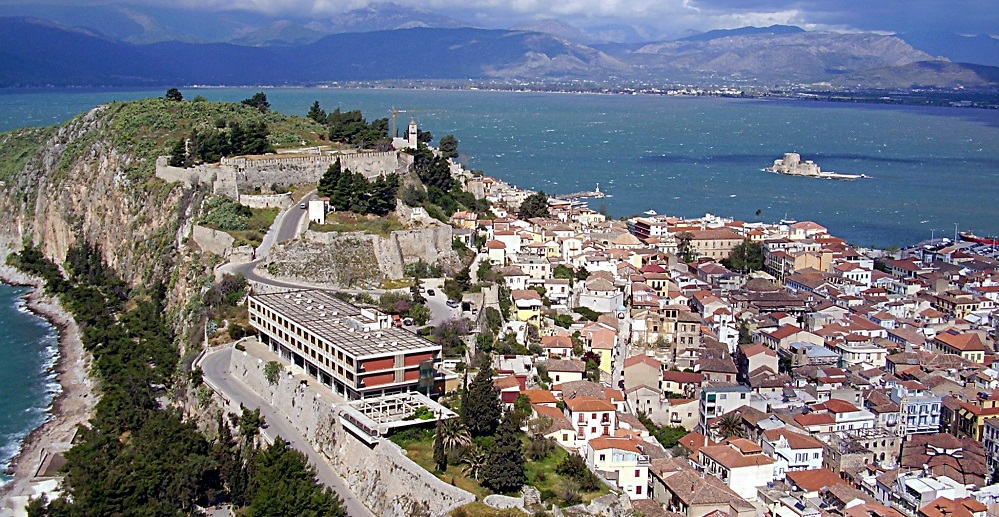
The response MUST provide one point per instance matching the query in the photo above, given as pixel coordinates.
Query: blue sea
(28, 347)
(933, 170)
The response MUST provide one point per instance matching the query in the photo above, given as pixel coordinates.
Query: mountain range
(412, 44)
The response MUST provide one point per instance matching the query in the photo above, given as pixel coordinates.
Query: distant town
(704, 366)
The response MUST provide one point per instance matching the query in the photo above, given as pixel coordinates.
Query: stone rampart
(266, 200)
(212, 241)
(300, 169)
(381, 476)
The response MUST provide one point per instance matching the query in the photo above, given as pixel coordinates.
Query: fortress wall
(298, 169)
(382, 477)
(267, 200)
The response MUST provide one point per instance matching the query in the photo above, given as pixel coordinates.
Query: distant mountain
(146, 23)
(35, 53)
(923, 74)
(743, 31)
(282, 32)
(981, 49)
(559, 29)
(385, 16)
(791, 57)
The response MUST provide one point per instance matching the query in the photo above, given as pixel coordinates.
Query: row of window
(320, 352)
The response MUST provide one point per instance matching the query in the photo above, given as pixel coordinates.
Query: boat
(791, 165)
(650, 212)
(970, 237)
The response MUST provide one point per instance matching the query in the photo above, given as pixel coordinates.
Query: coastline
(70, 408)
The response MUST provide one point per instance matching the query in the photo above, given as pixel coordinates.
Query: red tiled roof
(814, 480)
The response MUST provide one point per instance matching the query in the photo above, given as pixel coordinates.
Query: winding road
(215, 368)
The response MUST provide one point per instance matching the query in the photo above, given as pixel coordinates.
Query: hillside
(923, 74)
(773, 57)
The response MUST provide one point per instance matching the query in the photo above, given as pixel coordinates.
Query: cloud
(667, 16)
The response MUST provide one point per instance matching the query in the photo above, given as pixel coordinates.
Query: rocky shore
(72, 406)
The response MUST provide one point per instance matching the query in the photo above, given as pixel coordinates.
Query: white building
(740, 464)
(792, 451)
(622, 461)
(919, 408)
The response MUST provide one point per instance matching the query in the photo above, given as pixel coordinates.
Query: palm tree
(454, 434)
(730, 425)
(475, 461)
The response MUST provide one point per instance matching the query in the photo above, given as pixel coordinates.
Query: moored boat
(970, 237)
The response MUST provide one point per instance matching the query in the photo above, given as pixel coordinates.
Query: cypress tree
(327, 184)
(440, 456)
(481, 413)
(504, 468)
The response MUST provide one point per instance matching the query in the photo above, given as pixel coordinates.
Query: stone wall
(189, 177)
(212, 241)
(382, 477)
(266, 200)
(301, 169)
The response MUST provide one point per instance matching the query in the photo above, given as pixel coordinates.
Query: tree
(259, 101)
(316, 113)
(535, 205)
(448, 146)
(174, 95)
(327, 183)
(563, 271)
(481, 412)
(745, 335)
(440, 455)
(454, 435)
(746, 257)
(730, 424)
(475, 462)
(285, 484)
(250, 423)
(504, 469)
(683, 250)
(272, 372)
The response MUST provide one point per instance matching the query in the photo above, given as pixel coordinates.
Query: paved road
(215, 366)
(285, 228)
(439, 311)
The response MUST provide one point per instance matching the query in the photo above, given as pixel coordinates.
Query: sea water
(931, 168)
(28, 350)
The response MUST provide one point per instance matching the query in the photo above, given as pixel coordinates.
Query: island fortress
(792, 165)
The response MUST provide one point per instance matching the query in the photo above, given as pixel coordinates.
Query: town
(696, 367)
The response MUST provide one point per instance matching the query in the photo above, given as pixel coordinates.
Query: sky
(673, 17)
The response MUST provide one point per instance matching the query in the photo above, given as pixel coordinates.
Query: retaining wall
(382, 477)
(266, 200)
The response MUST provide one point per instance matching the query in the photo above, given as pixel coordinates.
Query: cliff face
(92, 180)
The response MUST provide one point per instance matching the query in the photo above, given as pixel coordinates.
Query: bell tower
(412, 133)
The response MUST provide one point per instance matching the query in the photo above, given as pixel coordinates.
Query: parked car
(302, 205)
(431, 292)
(452, 303)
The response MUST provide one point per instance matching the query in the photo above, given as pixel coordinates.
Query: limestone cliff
(93, 179)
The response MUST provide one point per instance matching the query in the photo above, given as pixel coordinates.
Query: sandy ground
(72, 406)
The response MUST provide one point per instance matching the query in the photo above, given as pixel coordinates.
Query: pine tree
(327, 184)
(440, 456)
(481, 412)
(448, 146)
(316, 113)
(504, 468)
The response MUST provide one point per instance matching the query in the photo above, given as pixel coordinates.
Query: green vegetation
(745, 258)
(668, 436)
(210, 144)
(481, 407)
(443, 195)
(246, 225)
(258, 101)
(504, 468)
(352, 128)
(17, 147)
(272, 372)
(351, 222)
(351, 191)
(174, 94)
(136, 457)
(448, 146)
(536, 205)
(285, 484)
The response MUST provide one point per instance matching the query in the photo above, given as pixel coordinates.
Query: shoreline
(72, 406)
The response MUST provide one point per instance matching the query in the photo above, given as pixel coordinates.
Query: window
(603, 457)
(638, 474)
(638, 490)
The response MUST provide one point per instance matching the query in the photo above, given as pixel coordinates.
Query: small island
(792, 165)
